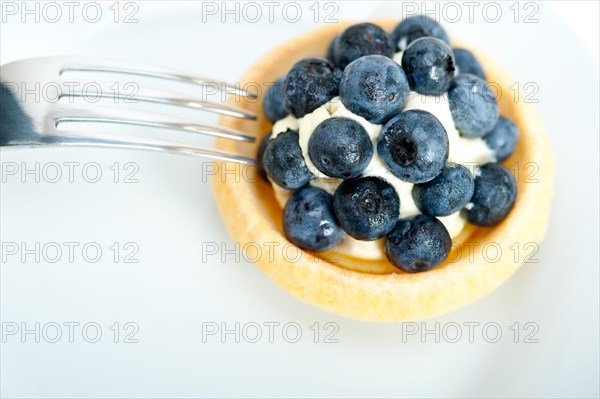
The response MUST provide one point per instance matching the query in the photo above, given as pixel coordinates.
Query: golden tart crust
(374, 290)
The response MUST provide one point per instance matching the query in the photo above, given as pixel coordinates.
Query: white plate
(176, 289)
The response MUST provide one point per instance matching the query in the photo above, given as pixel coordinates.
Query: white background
(172, 292)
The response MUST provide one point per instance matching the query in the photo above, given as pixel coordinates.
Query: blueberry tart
(391, 167)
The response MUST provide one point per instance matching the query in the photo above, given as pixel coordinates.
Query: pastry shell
(481, 259)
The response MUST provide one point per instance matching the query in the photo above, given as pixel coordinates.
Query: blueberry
(414, 146)
(330, 55)
(309, 221)
(494, 196)
(367, 207)
(503, 138)
(340, 147)
(429, 65)
(419, 244)
(473, 105)
(467, 63)
(259, 156)
(449, 192)
(359, 40)
(284, 162)
(374, 87)
(310, 83)
(415, 27)
(273, 102)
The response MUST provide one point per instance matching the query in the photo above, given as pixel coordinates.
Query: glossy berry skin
(473, 105)
(374, 87)
(273, 102)
(419, 244)
(310, 83)
(284, 163)
(494, 195)
(429, 66)
(309, 221)
(503, 138)
(414, 146)
(467, 63)
(415, 27)
(259, 156)
(367, 208)
(359, 40)
(449, 192)
(340, 147)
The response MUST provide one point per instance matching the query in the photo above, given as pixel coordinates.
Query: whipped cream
(466, 151)
(398, 57)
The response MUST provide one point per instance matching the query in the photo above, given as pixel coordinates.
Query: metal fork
(31, 113)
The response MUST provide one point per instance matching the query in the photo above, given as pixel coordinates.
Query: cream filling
(466, 151)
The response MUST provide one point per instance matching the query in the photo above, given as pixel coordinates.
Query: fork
(30, 117)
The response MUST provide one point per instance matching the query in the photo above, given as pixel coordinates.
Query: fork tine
(217, 108)
(160, 73)
(215, 131)
(74, 139)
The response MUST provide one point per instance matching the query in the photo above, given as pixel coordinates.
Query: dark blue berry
(340, 147)
(309, 221)
(310, 83)
(429, 65)
(419, 244)
(374, 87)
(273, 103)
(414, 146)
(259, 156)
(359, 40)
(284, 162)
(473, 105)
(503, 138)
(467, 63)
(415, 27)
(449, 192)
(494, 196)
(367, 208)
(330, 55)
